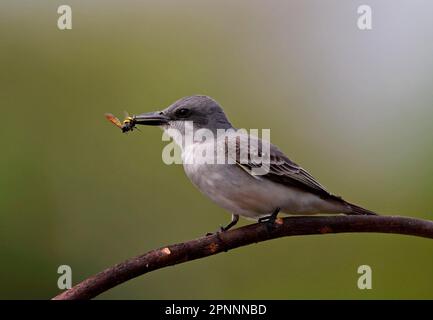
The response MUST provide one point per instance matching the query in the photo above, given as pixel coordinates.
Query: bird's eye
(183, 113)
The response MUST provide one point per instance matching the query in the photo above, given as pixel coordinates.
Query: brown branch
(210, 245)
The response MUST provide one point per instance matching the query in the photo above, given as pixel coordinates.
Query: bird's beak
(156, 118)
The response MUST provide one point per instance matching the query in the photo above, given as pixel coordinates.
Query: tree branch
(213, 244)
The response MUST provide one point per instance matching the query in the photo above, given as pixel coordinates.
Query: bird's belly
(238, 192)
(226, 187)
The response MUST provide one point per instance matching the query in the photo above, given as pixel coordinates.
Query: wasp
(157, 118)
(127, 125)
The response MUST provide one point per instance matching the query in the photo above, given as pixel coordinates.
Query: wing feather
(281, 169)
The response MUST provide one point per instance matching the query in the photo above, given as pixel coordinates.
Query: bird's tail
(353, 209)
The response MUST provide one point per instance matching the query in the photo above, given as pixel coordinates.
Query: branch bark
(213, 244)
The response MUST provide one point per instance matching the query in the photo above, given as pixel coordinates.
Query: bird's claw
(269, 220)
(220, 230)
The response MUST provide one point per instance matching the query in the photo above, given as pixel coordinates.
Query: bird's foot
(220, 230)
(269, 220)
(235, 219)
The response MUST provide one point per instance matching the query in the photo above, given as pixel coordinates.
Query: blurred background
(353, 107)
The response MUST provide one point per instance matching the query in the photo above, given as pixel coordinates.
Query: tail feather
(357, 210)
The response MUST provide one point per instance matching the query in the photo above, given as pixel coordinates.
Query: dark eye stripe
(183, 112)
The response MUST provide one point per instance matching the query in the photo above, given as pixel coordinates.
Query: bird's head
(202, 111)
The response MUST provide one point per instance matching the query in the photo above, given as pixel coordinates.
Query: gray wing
(281, 169)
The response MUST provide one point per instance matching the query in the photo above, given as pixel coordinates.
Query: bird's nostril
(161, 113)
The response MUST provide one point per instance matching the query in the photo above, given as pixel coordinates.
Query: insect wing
(113, 120)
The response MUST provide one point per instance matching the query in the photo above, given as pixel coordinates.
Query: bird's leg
(271, 218)
(235, 219)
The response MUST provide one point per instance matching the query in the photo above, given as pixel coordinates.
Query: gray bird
(286, 187)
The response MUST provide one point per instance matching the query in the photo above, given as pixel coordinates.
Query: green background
(353, 107)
